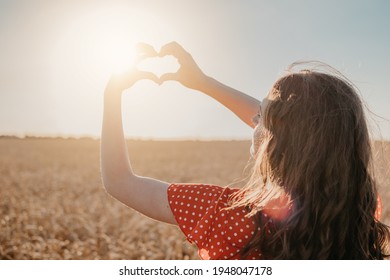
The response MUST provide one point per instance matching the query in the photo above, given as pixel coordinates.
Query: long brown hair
(315, 160)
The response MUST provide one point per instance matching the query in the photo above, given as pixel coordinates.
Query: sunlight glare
(114, 54)
(111, 48)
(103, 41)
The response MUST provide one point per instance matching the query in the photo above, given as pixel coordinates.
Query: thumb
(168, 77)
(148, 76)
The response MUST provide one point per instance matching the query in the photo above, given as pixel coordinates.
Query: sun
(109, 42)
(99, 42)
(114, 52)
(104, 40)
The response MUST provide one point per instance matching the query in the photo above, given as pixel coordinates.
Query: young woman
(311, 194)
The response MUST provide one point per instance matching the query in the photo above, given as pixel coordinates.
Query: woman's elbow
(110, 184)
(109, 187)
(116, 187)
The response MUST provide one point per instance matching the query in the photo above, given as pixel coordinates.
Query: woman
(311, 194)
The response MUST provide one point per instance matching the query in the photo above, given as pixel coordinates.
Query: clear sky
(56, 56)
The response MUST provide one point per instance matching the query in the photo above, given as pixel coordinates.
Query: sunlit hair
(315, 160)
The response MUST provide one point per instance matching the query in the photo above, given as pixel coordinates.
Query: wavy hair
(312, 174)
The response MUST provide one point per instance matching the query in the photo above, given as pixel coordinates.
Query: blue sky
(54, 57)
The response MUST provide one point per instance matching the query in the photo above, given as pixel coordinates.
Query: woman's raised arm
(191, 76)
(146, 195)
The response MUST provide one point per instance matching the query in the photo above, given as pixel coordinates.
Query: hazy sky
(56, 56)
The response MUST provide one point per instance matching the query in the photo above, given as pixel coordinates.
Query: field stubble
(53, 205)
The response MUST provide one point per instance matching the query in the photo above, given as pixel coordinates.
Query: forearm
(146, 195)
(241, 104)
(191, 76)
(115, 165)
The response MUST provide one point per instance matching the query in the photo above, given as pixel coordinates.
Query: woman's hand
(189, 73)
(122, 81)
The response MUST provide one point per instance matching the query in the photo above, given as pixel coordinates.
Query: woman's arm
(241, 104)
(146, 195)
(191, 76)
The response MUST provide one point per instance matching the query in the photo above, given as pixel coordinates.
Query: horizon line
(131, 138)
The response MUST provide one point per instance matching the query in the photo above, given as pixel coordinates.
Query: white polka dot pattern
(199, 210)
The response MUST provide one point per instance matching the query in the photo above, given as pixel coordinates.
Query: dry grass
(53, 205)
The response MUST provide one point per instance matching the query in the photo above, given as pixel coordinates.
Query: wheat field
(53, 205)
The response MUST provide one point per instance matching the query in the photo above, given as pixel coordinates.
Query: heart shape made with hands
(159, 65)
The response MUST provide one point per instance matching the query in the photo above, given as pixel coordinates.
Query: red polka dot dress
(218, 233)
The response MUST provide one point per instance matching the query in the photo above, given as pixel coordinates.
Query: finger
(144, 75)
(172, 48)
(145, 50)
(168, 77)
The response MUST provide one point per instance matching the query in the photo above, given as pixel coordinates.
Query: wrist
(116, 84)
(206, 83)
(111, 94)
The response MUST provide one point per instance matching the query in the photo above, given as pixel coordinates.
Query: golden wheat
(53, 205)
